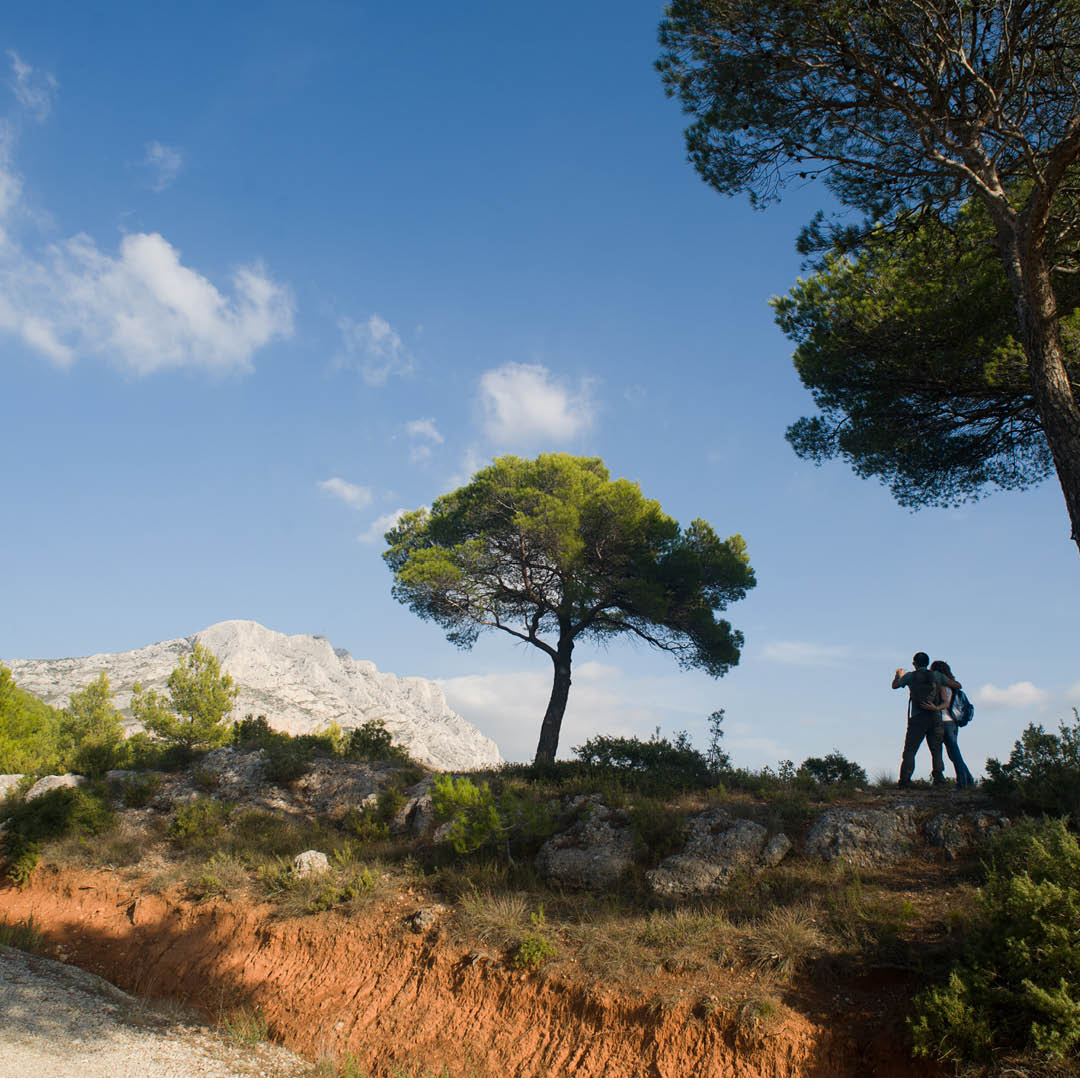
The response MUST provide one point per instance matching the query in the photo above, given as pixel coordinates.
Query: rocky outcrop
(299, 682)
(957, 834)
(51, 783)
(716, 848)
(594, 852)
(864, 837)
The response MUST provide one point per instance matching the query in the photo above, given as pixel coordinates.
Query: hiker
(951, 729)
(924, 721)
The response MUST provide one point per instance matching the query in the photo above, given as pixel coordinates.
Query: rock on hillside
(300, 681)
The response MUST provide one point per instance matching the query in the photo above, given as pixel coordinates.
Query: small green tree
(29, 731)
(91, 727)
(200, 697)
(554, 547)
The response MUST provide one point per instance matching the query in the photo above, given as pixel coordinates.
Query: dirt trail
(402, 1002)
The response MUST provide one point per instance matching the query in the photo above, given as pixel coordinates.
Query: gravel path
(57, 1020)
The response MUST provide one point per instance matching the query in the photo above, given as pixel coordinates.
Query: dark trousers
(923, 724)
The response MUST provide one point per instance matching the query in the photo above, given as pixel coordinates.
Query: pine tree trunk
(560, 691)
(1059, 411)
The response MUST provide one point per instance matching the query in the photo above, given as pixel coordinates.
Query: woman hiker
(951, 728)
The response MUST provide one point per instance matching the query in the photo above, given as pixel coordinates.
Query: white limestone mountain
(299, 681)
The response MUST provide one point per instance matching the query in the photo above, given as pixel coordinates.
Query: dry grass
(494, 918)
(785, 938)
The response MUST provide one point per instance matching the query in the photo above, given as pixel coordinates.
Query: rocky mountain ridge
(299, 681)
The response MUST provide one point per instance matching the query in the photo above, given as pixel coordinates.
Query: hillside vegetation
(981, 953)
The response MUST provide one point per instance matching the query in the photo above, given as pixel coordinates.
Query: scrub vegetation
(986, 950)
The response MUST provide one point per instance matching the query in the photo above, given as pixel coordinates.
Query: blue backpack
(961, 709)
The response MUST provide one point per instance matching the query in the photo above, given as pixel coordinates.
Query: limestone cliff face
(300, 681)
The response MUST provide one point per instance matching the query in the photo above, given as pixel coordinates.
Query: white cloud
(524, 404)
(381, 525)
(164, 163)
(376, 348)
(424, 429)
(1073, 693)
(33, 90)
(1019, 695)
(805, 653)
(355, 495)
(142, 308)
(425, 436)
(509, 707)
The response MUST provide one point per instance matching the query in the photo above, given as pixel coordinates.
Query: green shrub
(372, 742)
(252, 732)
(470, 811)
(285, 762)
(137, 791)
(535, 949)
(1042, 773)
(198, 824)
(478, 819)
(70, 811)
(1017, 984)
(834, 768)
(30, 731)
(658, 765)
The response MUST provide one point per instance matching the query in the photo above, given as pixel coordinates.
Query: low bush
(834, 769)
(199, 825)
(1016, 986)
(479, 820)
(534, 949)
(137, 791)
(469, 809)
(665, 767)
(1043, 771)
(372, 742)
(69, 811)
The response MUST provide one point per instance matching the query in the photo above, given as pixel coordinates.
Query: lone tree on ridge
(553, 550)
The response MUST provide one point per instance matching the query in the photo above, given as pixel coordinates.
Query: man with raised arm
(923, 722)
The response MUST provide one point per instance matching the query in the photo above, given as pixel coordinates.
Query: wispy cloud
(34, 90)
(425, 436)
(470, 462)
(375, 348)
(509, 706)
(355, 495)
(380, 526)
(163, 163)
(1018, 695)
(806, 653)
(526, 405)
(140, 307)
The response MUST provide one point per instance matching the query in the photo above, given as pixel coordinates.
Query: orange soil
(402, 1002)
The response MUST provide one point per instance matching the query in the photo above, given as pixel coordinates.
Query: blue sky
(271, 272)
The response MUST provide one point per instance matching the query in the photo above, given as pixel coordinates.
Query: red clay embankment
(402, 1002)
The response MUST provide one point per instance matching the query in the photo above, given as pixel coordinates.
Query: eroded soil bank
(402, 1002)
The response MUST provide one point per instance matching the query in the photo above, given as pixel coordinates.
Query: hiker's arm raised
(897, 681)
